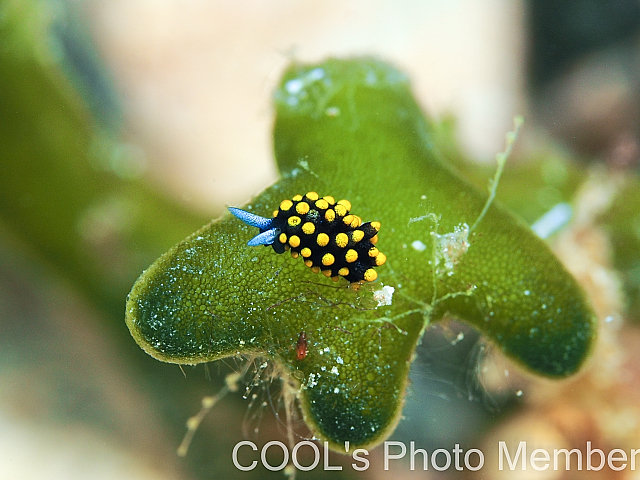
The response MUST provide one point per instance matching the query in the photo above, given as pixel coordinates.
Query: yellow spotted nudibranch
(323, 232)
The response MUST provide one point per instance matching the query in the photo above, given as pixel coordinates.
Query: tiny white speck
(294, 86)
(519, 393)
(527, 292)
(315, 74)
(418, 245)
(332, 112)
(609, 319)
(458, 338)
(336, 390)
(339, 360)
(334, 370)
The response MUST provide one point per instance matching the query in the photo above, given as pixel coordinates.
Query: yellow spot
(286, 205)
(275, 213)
(294, 254)
(376, 225)
(374, 239)
(342, 240)
(287, 247)
(326, 273)
(297, 198)
(380, 259)
(294, 221)
(328, 259)
(322, 204)
(357, 235)
(315, 269)
(351, 255)
(308, 228)
(373, 252)
(283, 238)
(348, 219)
(294, 241)
(323, 239)
(302, 208)
(344, 271)
(335, 279)
(305, 252)
(370, 275)
(356, 222)
(341, 210)
(313, 196)
(330, 215)
(330, 200)
(308, 263)
(345, 203)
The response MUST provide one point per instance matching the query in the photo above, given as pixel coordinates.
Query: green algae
(351, 129)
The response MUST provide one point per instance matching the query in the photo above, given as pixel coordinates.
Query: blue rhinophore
(252, 219)
(264, 238)
(267, 233)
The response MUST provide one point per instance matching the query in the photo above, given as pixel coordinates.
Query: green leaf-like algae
(351, 129)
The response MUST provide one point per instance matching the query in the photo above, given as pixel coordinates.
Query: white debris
(418, 245)
(450, 247)
(384, 296)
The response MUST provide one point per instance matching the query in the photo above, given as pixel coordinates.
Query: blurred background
(127, 125)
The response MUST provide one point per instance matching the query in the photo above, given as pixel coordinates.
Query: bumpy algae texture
(351, 129)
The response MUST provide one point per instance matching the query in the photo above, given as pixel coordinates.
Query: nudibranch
(324, 233)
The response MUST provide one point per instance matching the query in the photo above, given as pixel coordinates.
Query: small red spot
(301, 346)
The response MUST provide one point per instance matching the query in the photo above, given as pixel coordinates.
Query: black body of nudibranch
(323, 232)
